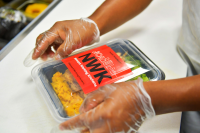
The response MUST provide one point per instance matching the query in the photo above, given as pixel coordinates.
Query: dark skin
(113, 13)
(117, 12)
(175, 95)
(167, 96)
(110, 15)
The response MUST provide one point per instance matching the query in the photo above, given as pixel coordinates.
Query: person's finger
(55, 47)
(43, 42)
(63, 51)
(101, 130)
(96, 97)
(72, 41)
(39, 38)
(75, 122)
(92, 100)
(50, 53)
(88, 119)
(47, 53)
(85, 130)
(44, 56)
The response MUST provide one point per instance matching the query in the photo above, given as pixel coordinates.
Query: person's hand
(64, 37)
(120, 107)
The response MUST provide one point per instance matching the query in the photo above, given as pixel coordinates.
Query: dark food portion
(11, 23)
(2, 43)
(73, 84)
(71, 81)
(13, 18)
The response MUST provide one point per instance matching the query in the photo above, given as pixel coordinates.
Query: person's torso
(189, 39)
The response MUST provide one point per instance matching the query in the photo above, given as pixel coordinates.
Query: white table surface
(155, 31)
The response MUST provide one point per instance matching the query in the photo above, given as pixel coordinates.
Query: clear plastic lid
(139, 63)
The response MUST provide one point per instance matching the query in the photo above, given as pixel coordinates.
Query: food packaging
(139, 64)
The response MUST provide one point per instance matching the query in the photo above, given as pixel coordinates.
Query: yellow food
(71, 101)
(34, 10)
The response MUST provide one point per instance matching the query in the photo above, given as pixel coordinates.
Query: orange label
(97, 67)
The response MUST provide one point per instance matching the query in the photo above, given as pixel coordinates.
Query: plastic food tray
(42, 74)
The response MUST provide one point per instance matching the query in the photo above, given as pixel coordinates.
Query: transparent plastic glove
(120, 107)
(64, 37)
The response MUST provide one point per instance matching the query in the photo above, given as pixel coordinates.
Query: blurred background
(15, 15)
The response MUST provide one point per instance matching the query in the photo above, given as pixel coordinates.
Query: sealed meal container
(60, 84)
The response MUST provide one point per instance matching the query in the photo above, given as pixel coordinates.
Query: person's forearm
(175, 95)
(113, 13)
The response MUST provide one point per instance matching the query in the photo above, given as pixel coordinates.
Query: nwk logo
(95, 67)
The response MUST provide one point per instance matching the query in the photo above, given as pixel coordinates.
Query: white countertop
(155, 32)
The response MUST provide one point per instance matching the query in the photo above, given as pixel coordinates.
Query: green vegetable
(131, 60)
(143, 76)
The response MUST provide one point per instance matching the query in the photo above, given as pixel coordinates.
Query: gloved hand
(64, 37)
(120, 107)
